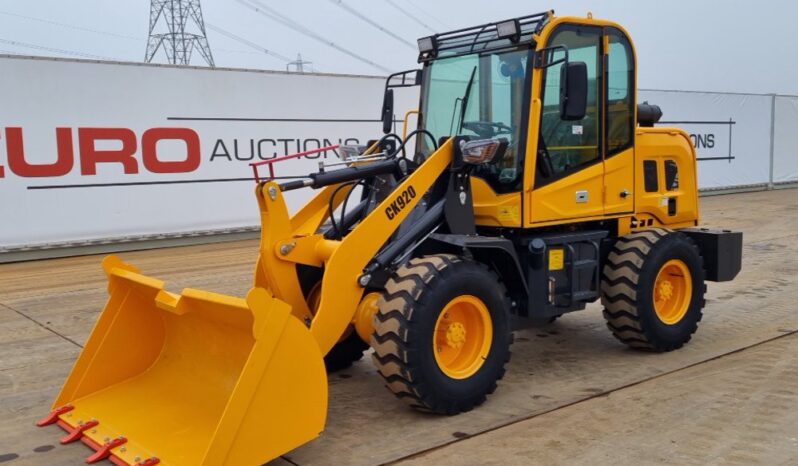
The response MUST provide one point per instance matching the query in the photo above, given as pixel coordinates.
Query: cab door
(619, 147)
(569, 172)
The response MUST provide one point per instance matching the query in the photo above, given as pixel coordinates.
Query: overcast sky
(728, 45)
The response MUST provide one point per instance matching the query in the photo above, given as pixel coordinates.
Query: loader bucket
(192, 379)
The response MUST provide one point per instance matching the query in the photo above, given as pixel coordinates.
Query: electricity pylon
(172, 17)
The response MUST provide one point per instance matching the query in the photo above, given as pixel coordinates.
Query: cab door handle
(625, 193)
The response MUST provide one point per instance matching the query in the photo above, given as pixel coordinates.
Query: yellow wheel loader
(534, 184)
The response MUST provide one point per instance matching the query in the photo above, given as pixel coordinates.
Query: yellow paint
(661, 144)
(510, 215)
(491, 209)
(556, 259)
(619, 178)
(557, 201)
(673, 291)
(279, 276)
(462, 337)
(364, 317)
(197, 378)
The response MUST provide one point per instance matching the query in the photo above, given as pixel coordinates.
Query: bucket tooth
(105, 451)
(52, 418)
(77, 432)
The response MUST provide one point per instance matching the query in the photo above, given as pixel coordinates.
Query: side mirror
(573, 91)
(387, 111)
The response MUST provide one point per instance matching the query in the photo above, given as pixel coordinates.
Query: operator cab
(572, 79)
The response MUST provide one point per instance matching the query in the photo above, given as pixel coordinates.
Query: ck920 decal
(401, 201)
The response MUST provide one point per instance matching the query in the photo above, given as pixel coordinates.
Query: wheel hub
(665, 290)
(463, 337)
(456, 335)
(673, 291)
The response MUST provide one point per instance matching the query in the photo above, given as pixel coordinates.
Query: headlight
(482, 150)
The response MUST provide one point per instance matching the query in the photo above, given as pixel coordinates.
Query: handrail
(271, 162)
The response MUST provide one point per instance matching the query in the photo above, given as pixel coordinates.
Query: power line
(71, 26)
(274, 15)
(112, 34)
(428, 14)
(410, 15)
(53, 49)
(373, 23)
(122, 36)
(247, 42)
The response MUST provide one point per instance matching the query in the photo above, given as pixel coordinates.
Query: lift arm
(285, 242)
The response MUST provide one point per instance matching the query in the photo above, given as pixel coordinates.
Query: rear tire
(442, 333)
(652, 289)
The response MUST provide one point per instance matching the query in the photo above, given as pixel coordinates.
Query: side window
(571, 145)
(671, 175)
(650, 178)
(620, 93)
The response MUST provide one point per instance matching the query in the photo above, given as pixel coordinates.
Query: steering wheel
(487, 129)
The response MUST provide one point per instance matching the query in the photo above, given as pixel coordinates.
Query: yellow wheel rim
(463, 335)
(673, 290)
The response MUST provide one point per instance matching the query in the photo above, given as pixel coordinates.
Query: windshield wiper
(464, 105)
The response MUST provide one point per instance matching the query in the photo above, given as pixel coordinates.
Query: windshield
(482, 96)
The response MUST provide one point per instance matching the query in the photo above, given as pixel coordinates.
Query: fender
(498, 253)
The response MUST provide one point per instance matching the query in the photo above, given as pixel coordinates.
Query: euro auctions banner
(102, 150)
(93, 151)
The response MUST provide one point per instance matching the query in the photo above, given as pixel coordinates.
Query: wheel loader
(534, 184)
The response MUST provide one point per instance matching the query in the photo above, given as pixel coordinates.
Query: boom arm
(286, 242)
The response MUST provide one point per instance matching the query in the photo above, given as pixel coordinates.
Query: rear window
(671, 175)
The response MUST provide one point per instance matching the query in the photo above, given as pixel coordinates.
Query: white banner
(94, 151)
(785, 143)
(731, 133)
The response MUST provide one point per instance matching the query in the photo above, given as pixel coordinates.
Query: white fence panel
(731, 133)
(785, 142)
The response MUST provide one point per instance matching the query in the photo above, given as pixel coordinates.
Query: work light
(426, 44)
(509, 29)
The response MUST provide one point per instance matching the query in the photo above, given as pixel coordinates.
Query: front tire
(652, 289)
(442, 333)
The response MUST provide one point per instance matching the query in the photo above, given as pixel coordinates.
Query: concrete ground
(572, 394)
